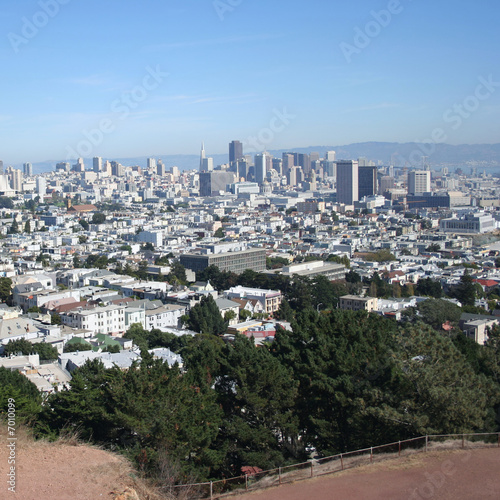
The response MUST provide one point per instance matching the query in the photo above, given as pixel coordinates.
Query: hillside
(67, 469)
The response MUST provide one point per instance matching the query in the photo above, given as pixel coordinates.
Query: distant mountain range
(483, 156)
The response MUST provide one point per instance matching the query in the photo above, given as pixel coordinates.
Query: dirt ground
(60, 471)
(443, 475)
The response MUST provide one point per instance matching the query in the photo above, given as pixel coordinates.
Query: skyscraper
(235, 151)
(260, 167)
(27, 169)
(151, 164)
(347, 182)
(97, 164)
(419, 181)
(367, 181)
(202, 156)
(288, 162)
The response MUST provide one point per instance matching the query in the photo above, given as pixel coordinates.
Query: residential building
(357, 303)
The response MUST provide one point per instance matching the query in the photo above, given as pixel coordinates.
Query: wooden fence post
(211, 490)
(312, 473)
(279, 474)
(342, 458)
(426, 442)
(399, 452)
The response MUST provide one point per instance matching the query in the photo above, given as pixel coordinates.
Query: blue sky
(78, 79)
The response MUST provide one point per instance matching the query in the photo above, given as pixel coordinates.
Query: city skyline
(155, 79)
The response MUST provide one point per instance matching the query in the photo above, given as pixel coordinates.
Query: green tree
(465, 291)
(14, 228)
(438, 391)
(205, 317)
(17, 387)
(55, 319)
(435, 312)
(98, 218)
(27, 227)
(6, 202)
(5, 290)
(219, 233)
(85, 225)
(257, 396)
(430, 287)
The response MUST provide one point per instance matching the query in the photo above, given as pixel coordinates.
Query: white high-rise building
(202, 157)
(207, 164)
(260, 166)
(347, 182)
(41, 185)
(330, 156)
(419, 181)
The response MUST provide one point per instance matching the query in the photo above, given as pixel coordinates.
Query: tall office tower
(367, 181)
(329, 168)
(41, 186)
(207, 164)
(235, 151)
(362, 161)
(117, 169)
(16, 179)
(27, 169)
(97, 164)
(314, 156)
(160, 168)
(202, 156)
(315, 166)
(1, 167)
(303, 160)
(330, 156)
(294, 176)
(63, 166)
(277, 164)
(347, 182)
(288, 162)
(107, 167)
(213, 183)
(419, 181)
(386, 182)
(79, 166)
(242, 168)
(260, 167)
(151, 164)
(175, 172)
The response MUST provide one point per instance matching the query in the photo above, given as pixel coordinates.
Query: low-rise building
(356, 303)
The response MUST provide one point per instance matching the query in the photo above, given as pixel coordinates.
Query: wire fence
(335, 463)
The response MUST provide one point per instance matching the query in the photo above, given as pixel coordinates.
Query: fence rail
(336, 463)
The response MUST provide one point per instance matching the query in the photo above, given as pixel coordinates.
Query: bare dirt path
(444, 475)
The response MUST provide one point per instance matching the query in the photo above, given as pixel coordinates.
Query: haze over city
(119, 79)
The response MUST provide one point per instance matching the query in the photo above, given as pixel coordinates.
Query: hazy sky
(121, 78)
